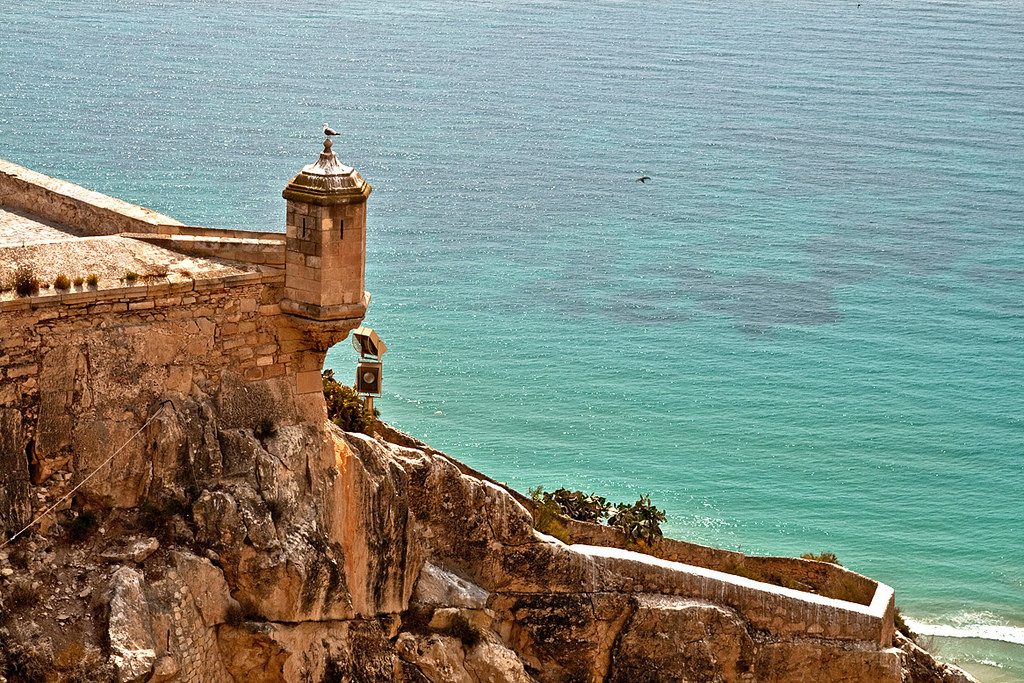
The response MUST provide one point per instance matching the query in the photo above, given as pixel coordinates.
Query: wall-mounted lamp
(367, 343)
(369, 370)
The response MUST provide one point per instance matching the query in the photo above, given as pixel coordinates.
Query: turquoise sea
(804, 333)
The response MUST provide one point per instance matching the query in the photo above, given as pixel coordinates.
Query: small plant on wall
(26, 282)
(822, 557)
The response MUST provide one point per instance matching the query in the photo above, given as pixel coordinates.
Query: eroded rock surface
(304, 554)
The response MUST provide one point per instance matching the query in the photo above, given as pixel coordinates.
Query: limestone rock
(365, 494)
(562, 636)
(920, 667)
(437, 586)
(165, 669)
(182, 445)
(437, 658)
(56, 395)
(132, 650)
(136, 551)
(207, 586)
(219, 522)
(319, 651)
(693, 639)
(251, 655)
(491, 662)
(95, 439)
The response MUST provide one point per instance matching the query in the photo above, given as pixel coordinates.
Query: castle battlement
(153, 309)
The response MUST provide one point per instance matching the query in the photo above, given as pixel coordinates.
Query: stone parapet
(825, 578)
(134, 293)
(56, 200)
(243, 249)
(778, 610)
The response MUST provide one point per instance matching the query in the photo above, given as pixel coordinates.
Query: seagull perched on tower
(328, 131)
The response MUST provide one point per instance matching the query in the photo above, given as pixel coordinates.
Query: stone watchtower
(326, 245)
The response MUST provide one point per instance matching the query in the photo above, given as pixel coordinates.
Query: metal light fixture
(369, 369)
(368, 378)
(367, 343)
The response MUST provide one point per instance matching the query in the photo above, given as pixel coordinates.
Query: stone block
(309, 382)
(270, 371)
(22, 371)
(179, 379)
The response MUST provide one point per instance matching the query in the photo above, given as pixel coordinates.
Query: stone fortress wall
(81, 371)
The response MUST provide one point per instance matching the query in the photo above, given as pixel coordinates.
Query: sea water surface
(805, 333)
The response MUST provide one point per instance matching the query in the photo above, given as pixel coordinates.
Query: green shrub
(93, 280)
(78, 282)
(62, 281)
(585, 507)
(901, 625)
(345, 407)
(822, 557)
(26, 282)
(79, 528)
(546, 516)
(130, 277)
(641, 521)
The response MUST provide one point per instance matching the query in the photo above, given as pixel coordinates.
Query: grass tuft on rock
(26, 282)
(62, 282)
(822, 557)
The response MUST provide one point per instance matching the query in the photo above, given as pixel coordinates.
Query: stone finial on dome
(327, 181)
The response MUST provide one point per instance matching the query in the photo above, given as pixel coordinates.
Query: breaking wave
(971, 625)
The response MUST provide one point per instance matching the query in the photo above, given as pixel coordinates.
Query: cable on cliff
(103, 464)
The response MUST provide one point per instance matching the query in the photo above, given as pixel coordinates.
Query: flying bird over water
(644, 179)
(328, 131)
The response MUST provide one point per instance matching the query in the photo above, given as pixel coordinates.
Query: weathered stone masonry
(82, 370)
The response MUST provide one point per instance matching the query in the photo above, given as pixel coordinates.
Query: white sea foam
(970, 626)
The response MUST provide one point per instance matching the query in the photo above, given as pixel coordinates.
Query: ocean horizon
(804, 333)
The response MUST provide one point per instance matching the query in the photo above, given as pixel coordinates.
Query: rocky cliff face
(296, 552)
